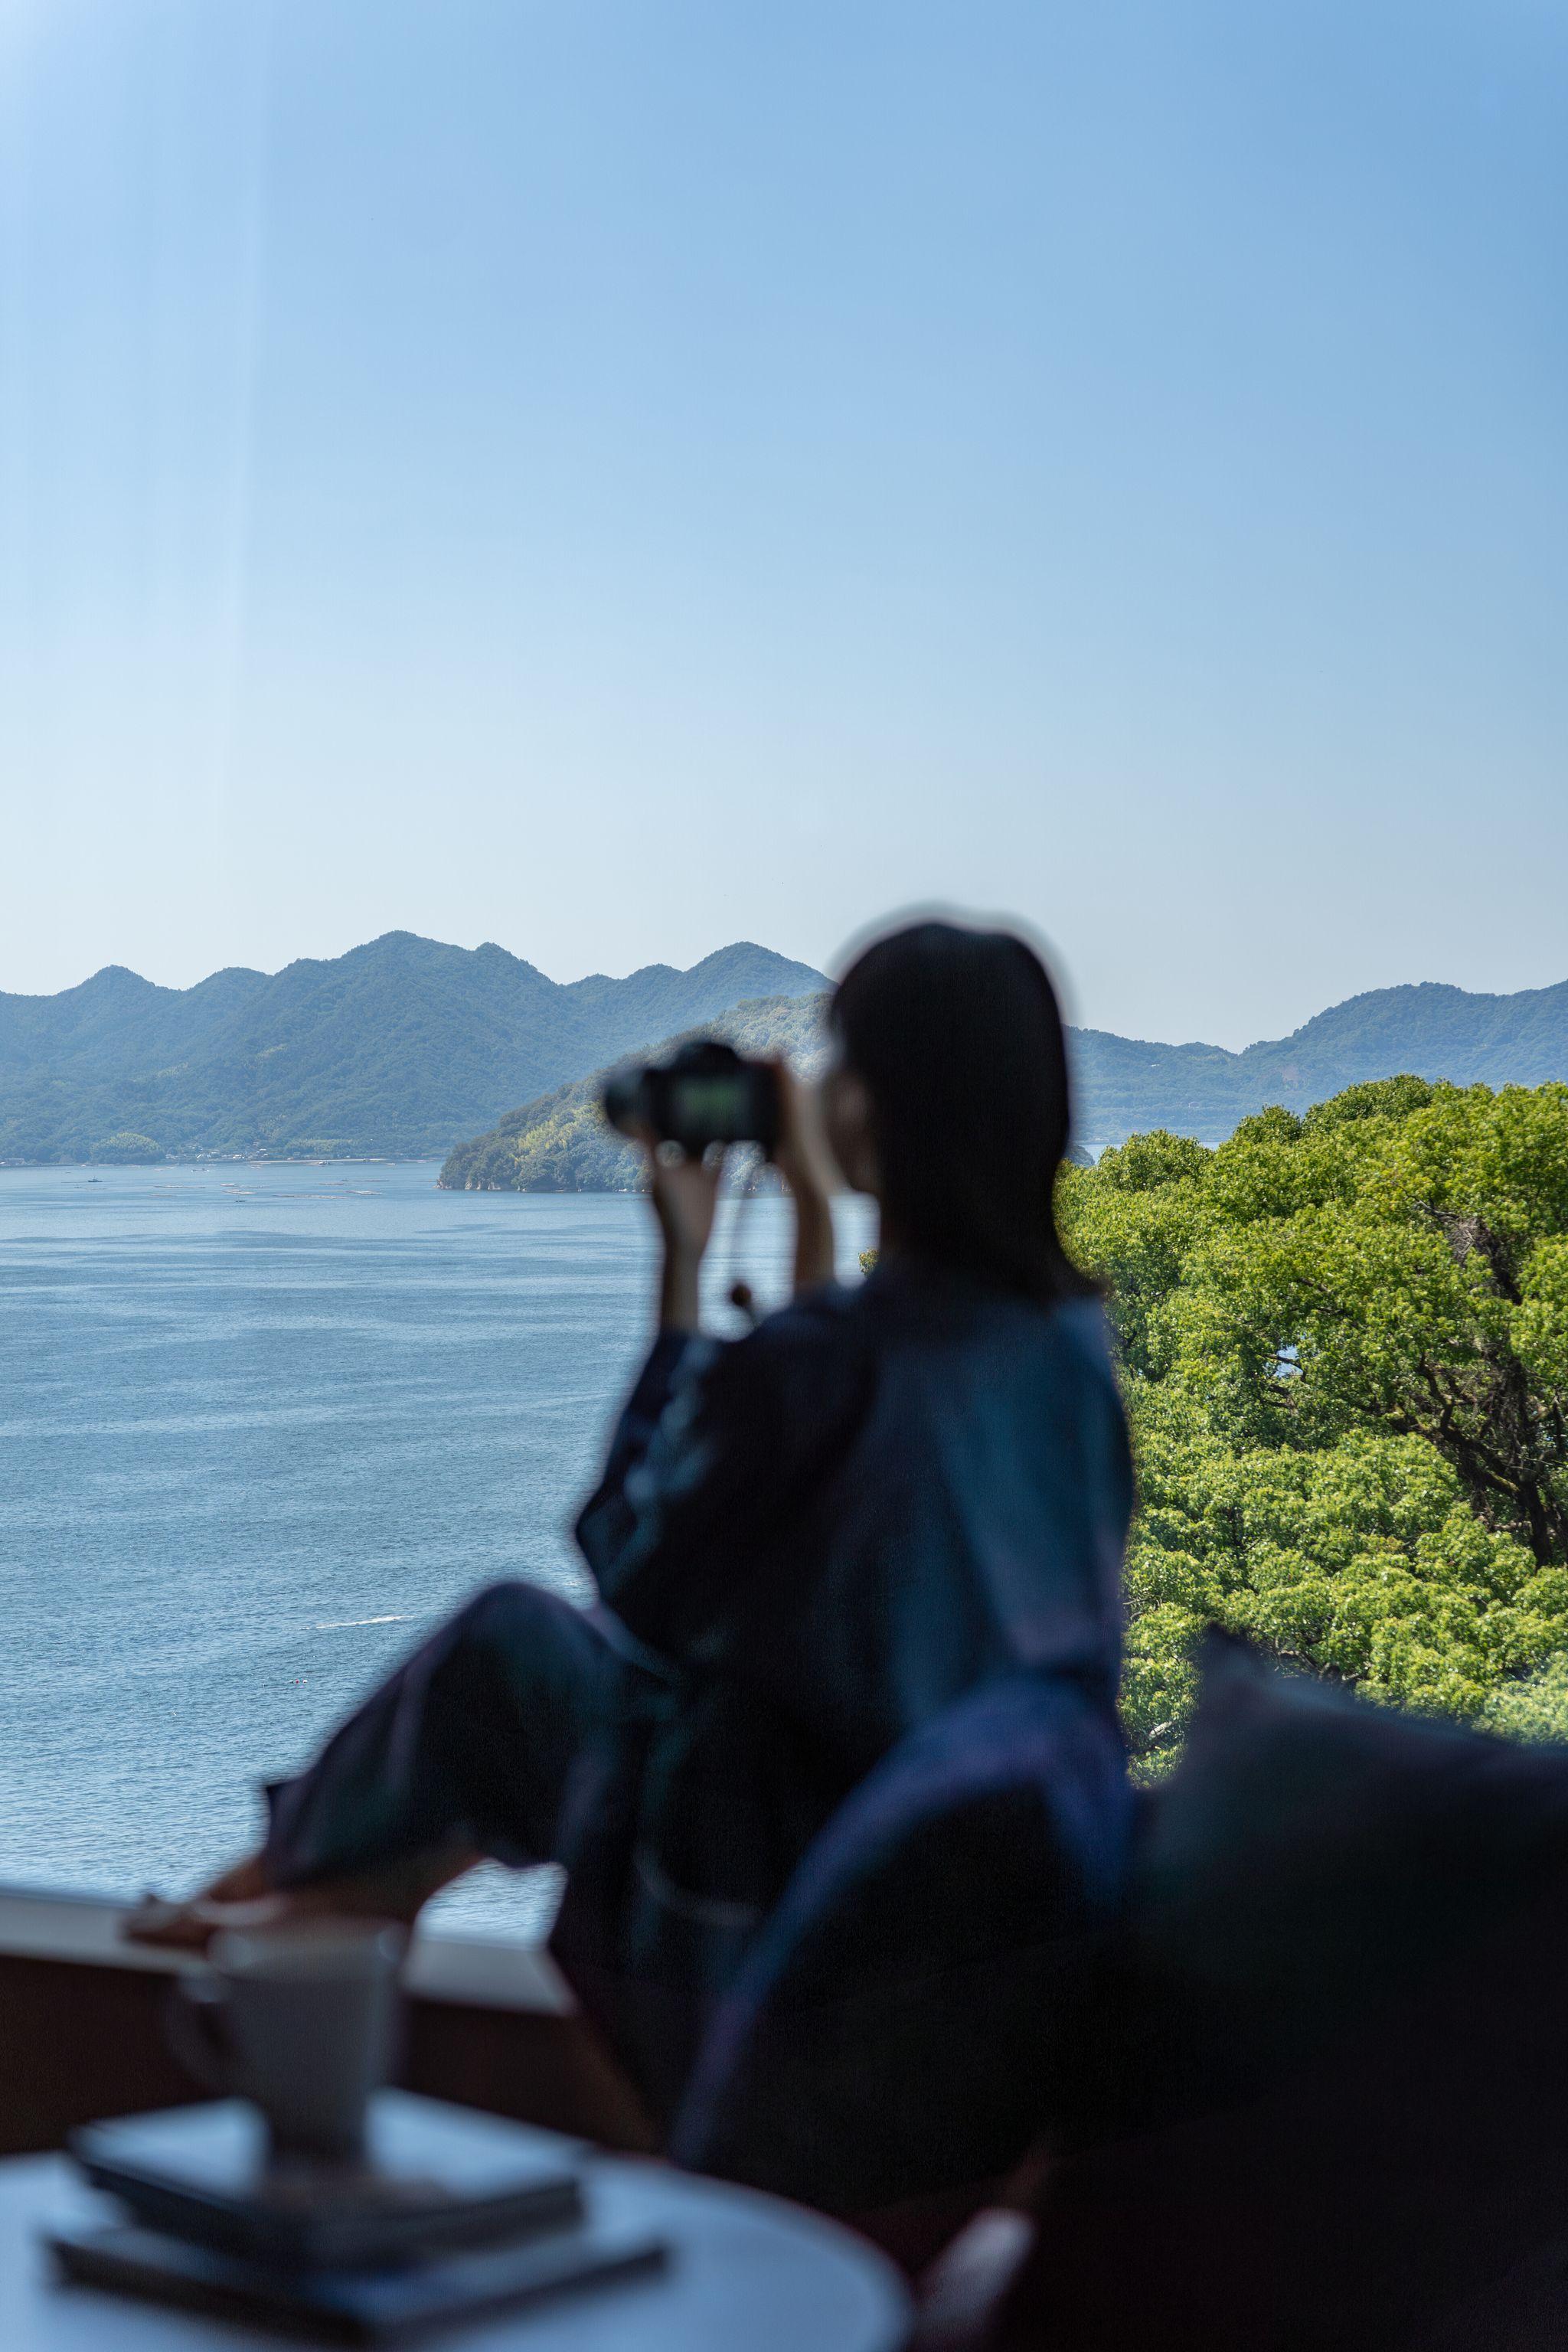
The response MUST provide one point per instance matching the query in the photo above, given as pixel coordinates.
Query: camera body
(706, 1093)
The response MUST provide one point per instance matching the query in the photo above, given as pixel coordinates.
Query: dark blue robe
(807, 1542)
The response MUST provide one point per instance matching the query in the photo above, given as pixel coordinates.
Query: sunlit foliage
(1345, 1342)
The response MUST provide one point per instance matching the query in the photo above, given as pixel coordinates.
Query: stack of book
(452, 2214)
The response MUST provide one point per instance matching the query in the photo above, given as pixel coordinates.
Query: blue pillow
(1312, 1862)
(894, 2033)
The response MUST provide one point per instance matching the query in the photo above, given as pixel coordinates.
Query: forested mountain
(558, 1144)
(396, 1047)
(1432, 1031)
(403, 1045)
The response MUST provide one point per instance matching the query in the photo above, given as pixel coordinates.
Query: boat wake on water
(342, 1624)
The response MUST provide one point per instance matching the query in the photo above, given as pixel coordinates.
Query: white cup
(301, 2019)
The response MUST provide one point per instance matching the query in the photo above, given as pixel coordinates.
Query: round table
(747, 2274)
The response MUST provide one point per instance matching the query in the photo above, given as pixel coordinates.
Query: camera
(706, 1093)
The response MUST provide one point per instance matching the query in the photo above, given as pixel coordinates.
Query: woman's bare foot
(243, 1898)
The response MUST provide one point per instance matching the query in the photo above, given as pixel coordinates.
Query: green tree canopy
(127, 1149)
(1345, 1339)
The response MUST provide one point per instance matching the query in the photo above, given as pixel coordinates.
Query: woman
(806, 1541)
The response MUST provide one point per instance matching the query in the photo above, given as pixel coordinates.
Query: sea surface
(261, 1427)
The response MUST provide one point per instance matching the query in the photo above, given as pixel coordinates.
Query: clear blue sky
(618, 476)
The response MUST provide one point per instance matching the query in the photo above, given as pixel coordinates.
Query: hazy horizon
(617, 481)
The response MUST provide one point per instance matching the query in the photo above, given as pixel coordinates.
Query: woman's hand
(685, 1195)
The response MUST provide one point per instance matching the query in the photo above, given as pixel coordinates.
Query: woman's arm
(714, 1454)
(801, 1158)
(684, 1196)
(715, 1439)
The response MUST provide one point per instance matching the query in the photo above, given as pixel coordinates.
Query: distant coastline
(407, 1050)
(245, 1160)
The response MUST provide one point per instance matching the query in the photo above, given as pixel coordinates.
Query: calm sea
(259, 1428)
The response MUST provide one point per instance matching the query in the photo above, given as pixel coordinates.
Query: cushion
(894, 2033)
(1325, 2107)
(1311, 1862)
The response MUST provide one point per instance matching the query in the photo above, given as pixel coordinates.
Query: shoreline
(245, 1160)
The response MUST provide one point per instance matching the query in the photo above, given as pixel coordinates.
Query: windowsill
(83, 2030)
(467, 1971)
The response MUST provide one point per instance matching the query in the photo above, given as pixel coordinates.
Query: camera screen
(715, 1104)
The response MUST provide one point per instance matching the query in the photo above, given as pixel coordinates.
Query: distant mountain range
(1428, 1030)
(394, 1049)
(402, 1046)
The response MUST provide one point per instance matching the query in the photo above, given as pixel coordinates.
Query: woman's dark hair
(958, 1038)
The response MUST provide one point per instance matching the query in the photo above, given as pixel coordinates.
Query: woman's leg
(466, 1750)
